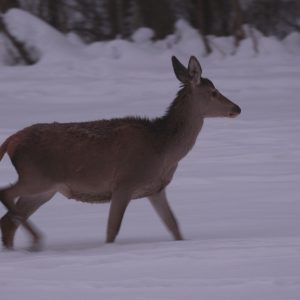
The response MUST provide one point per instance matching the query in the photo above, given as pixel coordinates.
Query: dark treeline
(97, 20)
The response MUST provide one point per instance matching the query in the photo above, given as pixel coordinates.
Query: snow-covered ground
(236, 195)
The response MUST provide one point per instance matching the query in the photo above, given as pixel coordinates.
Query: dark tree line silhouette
(98, 20)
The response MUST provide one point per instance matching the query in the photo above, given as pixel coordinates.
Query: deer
(115, 160)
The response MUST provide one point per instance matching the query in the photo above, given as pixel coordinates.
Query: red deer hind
(109, 160)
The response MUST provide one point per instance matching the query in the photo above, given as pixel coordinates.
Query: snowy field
(236, 195)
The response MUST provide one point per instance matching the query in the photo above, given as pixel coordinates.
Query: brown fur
(110, 160)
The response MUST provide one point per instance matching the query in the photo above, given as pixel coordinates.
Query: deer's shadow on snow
(101, 246)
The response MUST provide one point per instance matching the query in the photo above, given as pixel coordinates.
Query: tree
(274, 17)
(202, 24)
(95, 20)
(7, 4)
(237, 22)
(158, 16)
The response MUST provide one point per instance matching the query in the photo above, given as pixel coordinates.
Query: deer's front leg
(119, 203)
(161, 205)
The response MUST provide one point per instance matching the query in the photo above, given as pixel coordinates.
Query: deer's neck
(181, 126)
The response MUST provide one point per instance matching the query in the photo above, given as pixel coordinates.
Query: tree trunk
(237, 23)
(158, 16)
(201, 21)
(7, 4)
(53, 13)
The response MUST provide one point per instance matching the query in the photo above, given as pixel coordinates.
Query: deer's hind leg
(25, 207)
(17, 214)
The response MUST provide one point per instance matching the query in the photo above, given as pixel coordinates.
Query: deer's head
(207, 100)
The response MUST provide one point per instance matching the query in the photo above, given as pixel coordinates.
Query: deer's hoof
(8, 230)
(37, 246)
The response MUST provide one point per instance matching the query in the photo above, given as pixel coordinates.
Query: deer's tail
(3, 149)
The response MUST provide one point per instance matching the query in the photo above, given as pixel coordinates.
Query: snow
(35, 34)
(142, 35)
(236, 195)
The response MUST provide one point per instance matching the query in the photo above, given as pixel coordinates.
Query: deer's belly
(91, 197)
(103, 197)
(103, 193)
(85, 193)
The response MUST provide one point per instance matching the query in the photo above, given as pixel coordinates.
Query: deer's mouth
(233, 115)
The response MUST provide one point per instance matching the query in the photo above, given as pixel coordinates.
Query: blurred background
(103, 20)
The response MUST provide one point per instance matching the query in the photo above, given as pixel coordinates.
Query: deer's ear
(180, 70)
(194, 71)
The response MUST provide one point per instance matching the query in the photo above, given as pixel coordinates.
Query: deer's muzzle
(235, 111)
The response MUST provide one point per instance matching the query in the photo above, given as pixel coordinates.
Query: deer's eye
(214, 93)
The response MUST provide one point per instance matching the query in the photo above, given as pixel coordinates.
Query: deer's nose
(235, 111)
